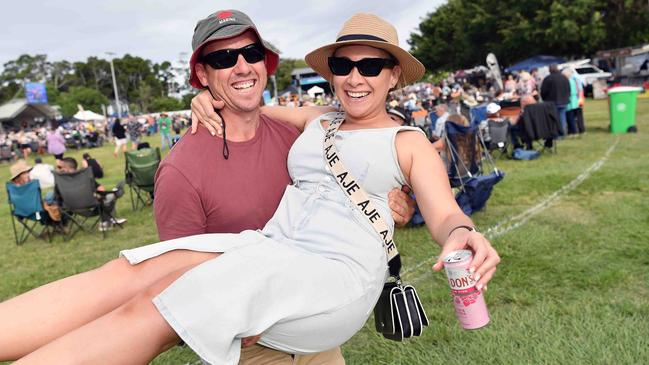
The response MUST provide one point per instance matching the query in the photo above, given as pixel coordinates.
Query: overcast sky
(162, 29)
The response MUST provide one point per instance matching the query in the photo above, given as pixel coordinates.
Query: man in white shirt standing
(43, 173)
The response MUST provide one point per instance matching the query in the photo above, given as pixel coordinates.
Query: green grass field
(572, 287)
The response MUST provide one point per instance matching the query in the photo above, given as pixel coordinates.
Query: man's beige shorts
(260, 355)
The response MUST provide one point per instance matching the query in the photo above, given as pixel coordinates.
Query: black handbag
(398, 314)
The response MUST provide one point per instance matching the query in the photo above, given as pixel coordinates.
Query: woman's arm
(426, 173)
(296, 116)
(203, 106)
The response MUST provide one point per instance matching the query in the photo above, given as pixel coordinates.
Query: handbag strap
(357, 195)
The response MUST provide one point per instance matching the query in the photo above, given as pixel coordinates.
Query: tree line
(460, 33)
(144, 84)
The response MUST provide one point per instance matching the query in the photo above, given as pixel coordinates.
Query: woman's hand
(203, 106)
(485, 257)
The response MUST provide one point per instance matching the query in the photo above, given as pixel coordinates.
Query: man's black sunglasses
(226, 58)
(370, 67)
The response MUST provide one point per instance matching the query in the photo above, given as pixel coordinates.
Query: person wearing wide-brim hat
(368, 30)
(20, 172)
(318, 265)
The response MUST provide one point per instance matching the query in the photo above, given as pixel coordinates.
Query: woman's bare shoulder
(412, 143)
(410, 137)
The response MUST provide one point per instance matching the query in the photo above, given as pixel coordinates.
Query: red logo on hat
(223, 15)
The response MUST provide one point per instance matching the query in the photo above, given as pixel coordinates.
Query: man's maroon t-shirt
(198, 191)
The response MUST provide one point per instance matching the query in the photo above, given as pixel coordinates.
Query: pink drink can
(470, 306)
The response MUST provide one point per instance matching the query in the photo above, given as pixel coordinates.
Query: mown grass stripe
(520, 219)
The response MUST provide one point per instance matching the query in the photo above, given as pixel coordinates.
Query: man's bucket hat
(226, 24)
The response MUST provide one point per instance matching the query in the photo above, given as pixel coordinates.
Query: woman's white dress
(310, 278)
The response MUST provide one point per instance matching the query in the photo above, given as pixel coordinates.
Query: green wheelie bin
(622, 106)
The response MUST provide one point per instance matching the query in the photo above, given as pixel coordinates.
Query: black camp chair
(27, 209)
(540, 124)
(80, 202)
(464, 157)
(141, 166)
(499, 136)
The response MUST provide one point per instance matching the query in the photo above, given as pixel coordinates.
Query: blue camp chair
(478, 114)
(464, 156)
(27, 209)
(476, 191)
(463, 159)
(432, 118)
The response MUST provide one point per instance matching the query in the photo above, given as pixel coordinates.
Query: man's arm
(203, 106)
(177, 206)
(402, 206)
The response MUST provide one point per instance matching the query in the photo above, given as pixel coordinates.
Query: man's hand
(485, 257)
(203, 106)
(401, 205)
(249, 341)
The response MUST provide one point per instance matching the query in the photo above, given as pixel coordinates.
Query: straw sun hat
(18, 168)
(368, 30)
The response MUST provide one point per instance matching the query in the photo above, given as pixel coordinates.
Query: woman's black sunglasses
(226, 58)
(370, 67)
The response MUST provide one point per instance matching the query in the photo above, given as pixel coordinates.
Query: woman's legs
(134, 333)
(39, 316)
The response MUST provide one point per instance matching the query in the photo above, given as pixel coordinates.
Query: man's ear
(201, 73)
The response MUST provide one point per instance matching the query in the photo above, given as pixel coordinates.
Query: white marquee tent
(314, 91)
(86, 115)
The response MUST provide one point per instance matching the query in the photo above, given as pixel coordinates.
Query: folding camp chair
(141, 166)
(27, 209)
(498, 136)
(80, 202)
(6, 154)
(464, 157)
(540, 123)
(478, 113)
(462, 153)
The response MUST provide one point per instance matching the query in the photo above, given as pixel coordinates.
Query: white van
(587, 73)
